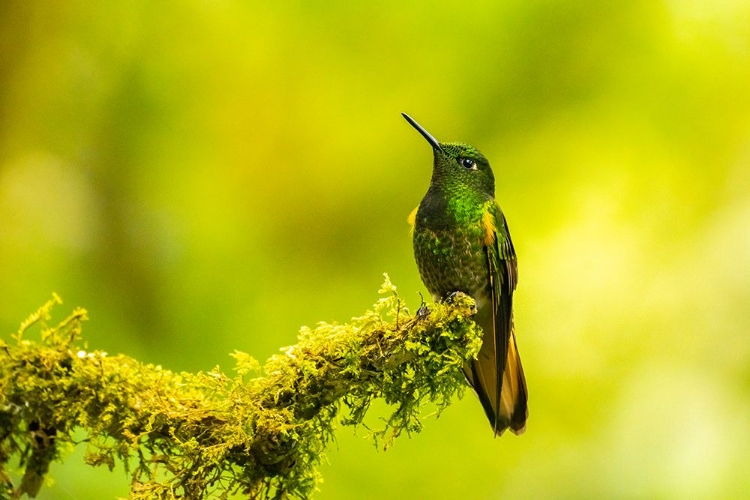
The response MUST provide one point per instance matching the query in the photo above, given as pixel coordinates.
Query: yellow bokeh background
(205, 176)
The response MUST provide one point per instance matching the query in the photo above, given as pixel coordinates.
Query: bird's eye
(468, 163)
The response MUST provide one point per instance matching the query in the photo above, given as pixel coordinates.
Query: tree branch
(182, 435)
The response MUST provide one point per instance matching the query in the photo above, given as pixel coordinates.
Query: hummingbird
(462, 244)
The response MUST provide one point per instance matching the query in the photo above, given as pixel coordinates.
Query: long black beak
(433, 142)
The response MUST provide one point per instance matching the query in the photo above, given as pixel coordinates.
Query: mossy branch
(256, 433)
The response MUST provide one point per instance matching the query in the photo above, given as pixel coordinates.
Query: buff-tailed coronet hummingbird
(462, 244)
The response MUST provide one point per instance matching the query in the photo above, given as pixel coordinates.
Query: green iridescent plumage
(462, 244)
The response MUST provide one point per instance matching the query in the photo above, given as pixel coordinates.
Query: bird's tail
(513, 395)
(510, 409)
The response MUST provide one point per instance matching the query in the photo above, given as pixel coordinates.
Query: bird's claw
(423, 310)
(451, 299)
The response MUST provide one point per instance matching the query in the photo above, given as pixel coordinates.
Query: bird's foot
(423, 310)
(451, 299)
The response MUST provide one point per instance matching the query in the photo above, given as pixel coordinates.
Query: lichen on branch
(257, 432)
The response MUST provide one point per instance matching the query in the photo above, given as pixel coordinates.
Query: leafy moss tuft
(258, 432)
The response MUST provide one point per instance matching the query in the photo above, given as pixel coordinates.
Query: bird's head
(457, 164)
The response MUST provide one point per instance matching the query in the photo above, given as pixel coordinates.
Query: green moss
(258, 432)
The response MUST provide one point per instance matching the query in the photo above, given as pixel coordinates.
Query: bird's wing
(497, 374)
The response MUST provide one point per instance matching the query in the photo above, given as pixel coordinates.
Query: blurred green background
(205, 176)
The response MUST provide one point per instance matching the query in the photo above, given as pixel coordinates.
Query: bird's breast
(452, 258)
